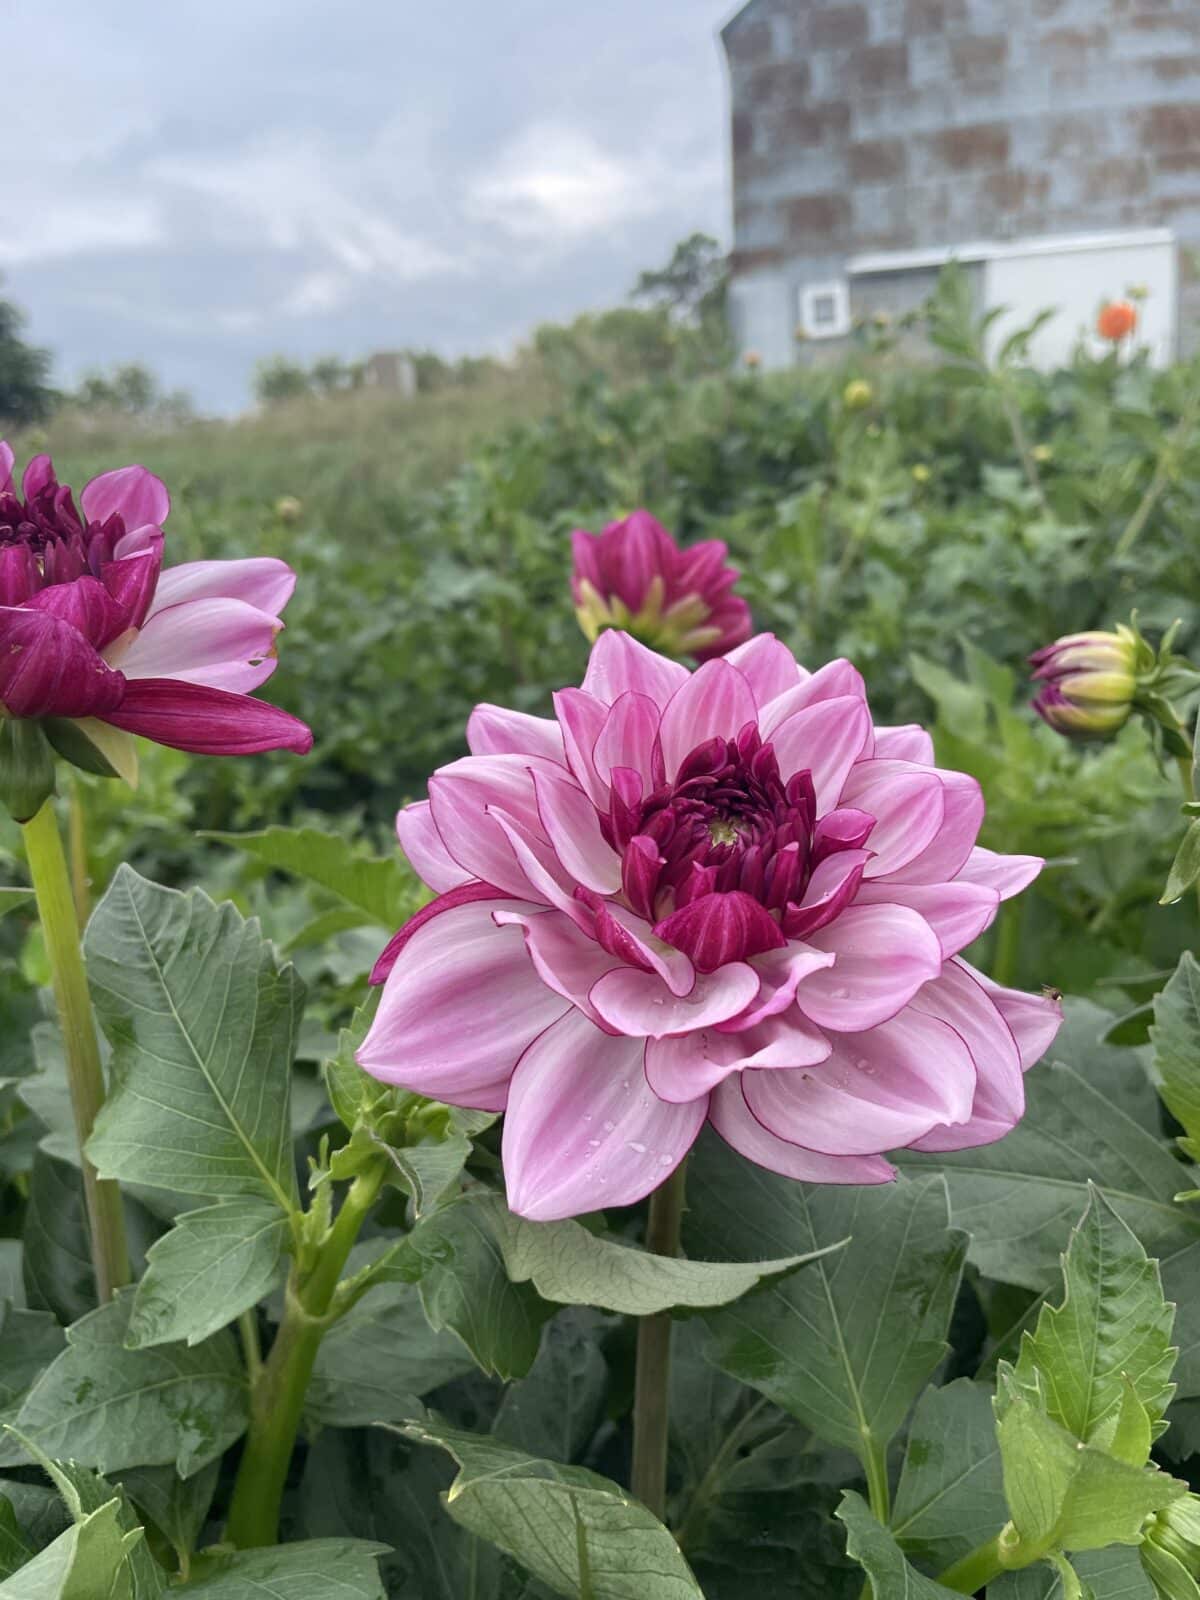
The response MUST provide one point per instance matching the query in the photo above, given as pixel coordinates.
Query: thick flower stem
(60, 928)
(280, 1385)
(651, 1397)
(976, 1570)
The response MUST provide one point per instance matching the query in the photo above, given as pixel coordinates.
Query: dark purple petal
(37, 477)
(208, 722)
(87, 605)
(19, 575)
(132, 583)
(719, 928)
(48, 669)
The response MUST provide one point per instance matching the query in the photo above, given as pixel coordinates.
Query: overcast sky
(195, 185)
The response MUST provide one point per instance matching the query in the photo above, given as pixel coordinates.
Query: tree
(24, 393)
(278, 379)
(692, 285)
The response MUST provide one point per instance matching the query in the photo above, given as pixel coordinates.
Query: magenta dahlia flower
(94, 633)
(718, 895)
(634, 576)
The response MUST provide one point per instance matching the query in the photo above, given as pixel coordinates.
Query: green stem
(976, 1570)
(878, 1492)
(60, 928)
(1008, 944)
(77, 837)
(277, 1397)
(651, 1395)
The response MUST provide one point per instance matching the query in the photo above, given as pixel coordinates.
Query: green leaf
(90, 1561)
(1185, 868)
(1112, 1332)
(1063, 1495)
(14, 1551)
(377, 1360)
(1176, 1040)
(353, 1092)
(202, 1022)
(568, 1264)
(177, 1506)
(210, 1267)
(10, 899)
(555, 1411)
(109, 1407)
(384, 888)
(877, 1552)
(57, 1263)
(950, 1497)
(29, 1342)
(312, 1569)
(583, 1536)
(848, 1343)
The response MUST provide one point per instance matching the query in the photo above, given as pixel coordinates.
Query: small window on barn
(825, 310)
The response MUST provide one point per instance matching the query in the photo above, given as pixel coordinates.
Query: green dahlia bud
(1170, 1550)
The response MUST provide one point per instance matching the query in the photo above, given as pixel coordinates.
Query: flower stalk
(977, 1569)
(279, 1386)
(651, 1398)
(60, 928)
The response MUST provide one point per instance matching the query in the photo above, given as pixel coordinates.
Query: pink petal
(779, 971)
(464, 894)
(619, 663)
(715, 700)
(48, 669)
(768, 666)
(908, 804)
(826, 739)
(135, 495)
(224, 644)
(959, 998)
(261, 581)
(1008, 875)
(427, 1038)
(539, 873)
(629, 738)
(1034, 1018)
(957, 912)
(636, 1002)
(132, 584)
(685, 1066)
(581, 718)
(564, 957)
(878, 1090)
(583, 1128)
(715, 929)
(740, 1128)
(86, 606)
(572, 826)
(208, 722)
(949, 850)
(137, 541)
(834, 681)
(493, 731)
(38, 475)
(6, 466)
(909, 742)
(883, 956)
(460, 796)
(427, 855)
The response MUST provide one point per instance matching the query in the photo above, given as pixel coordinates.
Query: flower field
(741, 1137)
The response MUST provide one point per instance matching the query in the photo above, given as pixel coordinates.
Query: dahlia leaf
(11, 899)
(202, 1021)
(580, 1534)
(310, 1569)
(567, 1263)
(91, 1558)
(211, 1266)
(847, 1344)
(876, 1551)
(377, 1360)
(14, 1552)
(950, 1497)
(29, 1342)
(1110, 1337)
(106, 1406)
(1176, 1039)
(383, 888)
(177, 1506)
(556, 1410)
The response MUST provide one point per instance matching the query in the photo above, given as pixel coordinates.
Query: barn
(1051, 146)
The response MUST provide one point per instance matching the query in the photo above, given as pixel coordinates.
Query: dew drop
(609, 1126)
(638, 1149)
(665, 1161)
(593, 1144)
(840, 994)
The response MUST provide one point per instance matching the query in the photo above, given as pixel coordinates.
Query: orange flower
(1117, 320)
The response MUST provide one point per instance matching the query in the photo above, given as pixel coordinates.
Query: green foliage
(24, 394)
(881, 1557)
(1176, 1036)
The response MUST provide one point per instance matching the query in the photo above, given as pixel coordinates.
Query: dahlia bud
(1116, 321)
(857, 395)
(635, 577)
(1170, 1550)
(1088, 682)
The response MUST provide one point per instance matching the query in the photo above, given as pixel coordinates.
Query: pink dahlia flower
(92, 630)
(634, 576)
(1087, 682)
(718, 895)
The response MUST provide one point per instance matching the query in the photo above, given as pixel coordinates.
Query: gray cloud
(199, 185)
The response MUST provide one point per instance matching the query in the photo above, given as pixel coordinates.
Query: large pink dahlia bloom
(92, 629)
(722, 894)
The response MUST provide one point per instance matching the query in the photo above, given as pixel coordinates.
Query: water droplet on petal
(638, 1149)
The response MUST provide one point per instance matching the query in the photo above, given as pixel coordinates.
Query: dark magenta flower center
(722, 860)
(58, 545)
